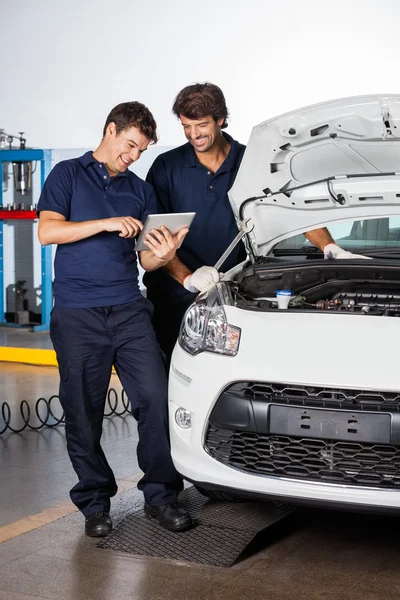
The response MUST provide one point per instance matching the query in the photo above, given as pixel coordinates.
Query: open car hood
(348, 149)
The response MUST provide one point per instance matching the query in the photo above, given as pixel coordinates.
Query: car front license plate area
(374, 428)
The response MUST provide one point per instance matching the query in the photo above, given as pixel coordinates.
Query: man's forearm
(319, 237)
(177, 270)
(66, 232)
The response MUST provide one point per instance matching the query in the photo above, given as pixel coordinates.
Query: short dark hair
(199, 100)
(133, 114)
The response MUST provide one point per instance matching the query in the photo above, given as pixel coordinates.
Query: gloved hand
(335, 251)
(201, 280)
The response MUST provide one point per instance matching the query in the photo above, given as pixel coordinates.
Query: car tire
(220, 496)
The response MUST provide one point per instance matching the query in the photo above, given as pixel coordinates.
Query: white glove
(335, 251)
(201, 280)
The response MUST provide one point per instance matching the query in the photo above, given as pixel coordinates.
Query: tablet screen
(174, 222)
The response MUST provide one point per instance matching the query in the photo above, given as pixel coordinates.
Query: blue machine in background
(21, 160)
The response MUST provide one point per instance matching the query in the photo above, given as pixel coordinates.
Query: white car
(302, 403)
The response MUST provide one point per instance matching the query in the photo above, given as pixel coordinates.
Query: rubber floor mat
(222, 533)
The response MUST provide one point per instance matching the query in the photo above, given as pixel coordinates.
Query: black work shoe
(170, 516)
(98, 525)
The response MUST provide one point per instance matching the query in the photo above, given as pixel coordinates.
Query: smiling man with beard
(194, 178)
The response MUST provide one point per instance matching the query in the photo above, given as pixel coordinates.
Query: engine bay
(322, 286)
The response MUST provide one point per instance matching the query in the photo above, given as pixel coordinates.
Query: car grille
(319, 397)
(306, 458)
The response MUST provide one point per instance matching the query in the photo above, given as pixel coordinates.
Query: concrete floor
(25, 338)
(25, 382)
(320, 555)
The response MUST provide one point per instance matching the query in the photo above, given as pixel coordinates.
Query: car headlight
(205, 327)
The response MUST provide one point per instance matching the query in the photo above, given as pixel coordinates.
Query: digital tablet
(172, 221)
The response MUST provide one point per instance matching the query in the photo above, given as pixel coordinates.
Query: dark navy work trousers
(88, 342)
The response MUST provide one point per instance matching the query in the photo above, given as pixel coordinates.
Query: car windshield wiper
(308, 250)
(316, 252)
(381, 252)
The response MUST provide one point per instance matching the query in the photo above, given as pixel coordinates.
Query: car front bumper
(196, 383)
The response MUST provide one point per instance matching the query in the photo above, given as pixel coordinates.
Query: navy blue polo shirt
(100, 270)
(183, 184)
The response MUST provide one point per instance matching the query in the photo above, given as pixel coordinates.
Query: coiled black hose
(50, 419)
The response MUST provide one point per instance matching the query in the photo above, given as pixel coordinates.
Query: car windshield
(365, 235)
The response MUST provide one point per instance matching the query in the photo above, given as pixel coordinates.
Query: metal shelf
(44, 157)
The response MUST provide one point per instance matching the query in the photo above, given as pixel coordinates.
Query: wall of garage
(72, 61)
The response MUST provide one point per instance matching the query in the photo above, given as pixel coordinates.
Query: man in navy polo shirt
(93, 207)
(194, 177)
(197, 177)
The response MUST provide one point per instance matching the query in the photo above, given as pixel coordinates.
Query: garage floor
(24, 338)
(45, 555)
